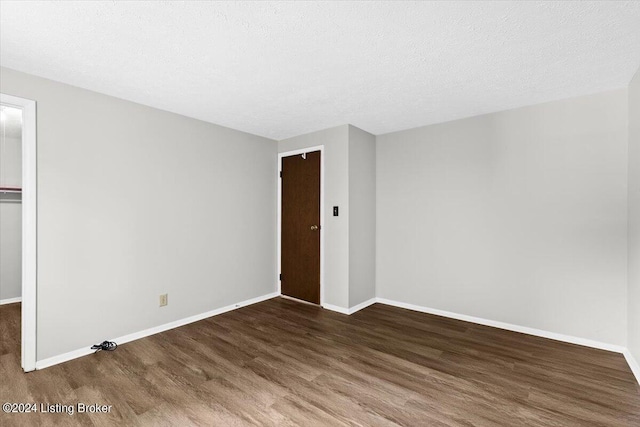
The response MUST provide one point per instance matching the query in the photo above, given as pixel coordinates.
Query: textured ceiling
(282, 69)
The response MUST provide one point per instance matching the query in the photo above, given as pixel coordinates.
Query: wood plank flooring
(280, 362)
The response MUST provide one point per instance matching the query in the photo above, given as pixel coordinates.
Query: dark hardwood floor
(284, 363)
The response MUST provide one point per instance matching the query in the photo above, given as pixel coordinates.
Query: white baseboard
(45, 363)
(362, 305)
(336, 308)
(349, 311)
(10, 300)
(507, 326)
(633, 364)
(65, 357)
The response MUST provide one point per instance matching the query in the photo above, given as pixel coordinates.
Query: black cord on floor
(105, 345)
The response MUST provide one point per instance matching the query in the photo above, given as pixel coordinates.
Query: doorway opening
(300, 224)
(18, 226)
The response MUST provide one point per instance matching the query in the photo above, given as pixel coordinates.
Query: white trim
(350, 311)
(10, 300)
(362, 305)
(507, 326)
(336, 308)
(279, 216)
(29, 227)
(633, 364)
(45, 363)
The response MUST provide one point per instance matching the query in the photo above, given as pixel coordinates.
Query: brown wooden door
(300, 267)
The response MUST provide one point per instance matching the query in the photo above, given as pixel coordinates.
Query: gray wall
(362, 216)
(336, 193)
(634, 217)
(518, 216)
(10, 216)
(134, 202)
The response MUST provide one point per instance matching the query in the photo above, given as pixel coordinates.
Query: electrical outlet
(164, 300)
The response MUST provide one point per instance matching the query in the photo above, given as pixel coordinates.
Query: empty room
(320, 213)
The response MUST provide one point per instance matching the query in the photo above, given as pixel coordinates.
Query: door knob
(314, 227)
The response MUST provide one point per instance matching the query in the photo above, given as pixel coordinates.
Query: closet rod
(10, 190)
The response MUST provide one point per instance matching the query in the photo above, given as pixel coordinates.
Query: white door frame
(322, 227)
(29, 227)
